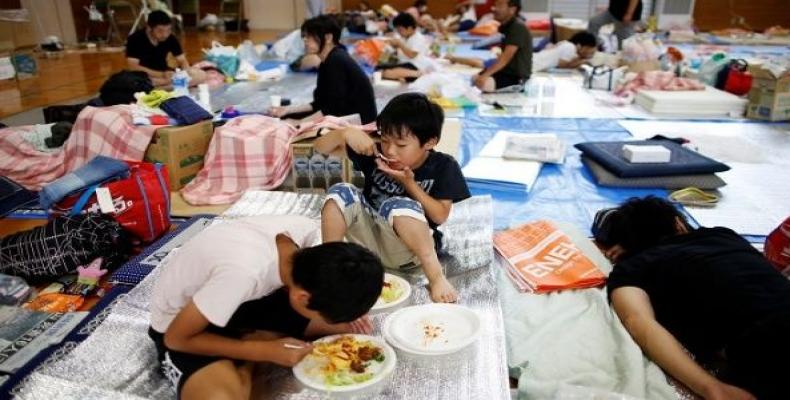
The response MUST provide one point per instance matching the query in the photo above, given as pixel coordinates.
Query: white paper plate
(432, 329)
(399, 282)
(383, 370)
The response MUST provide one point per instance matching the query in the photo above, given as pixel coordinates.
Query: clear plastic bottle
(180, 82)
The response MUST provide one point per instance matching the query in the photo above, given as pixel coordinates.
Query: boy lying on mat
(242, 291)
(409, 189)
(704, 289)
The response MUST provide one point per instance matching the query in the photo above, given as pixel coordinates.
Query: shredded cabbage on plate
(390, 292)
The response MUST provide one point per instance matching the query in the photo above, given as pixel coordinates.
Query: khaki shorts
(374, 229)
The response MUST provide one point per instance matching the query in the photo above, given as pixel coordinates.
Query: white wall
(586, 8)
(279, 14)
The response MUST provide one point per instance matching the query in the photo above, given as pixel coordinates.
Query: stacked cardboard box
(769, 98)
(182, 149)
(313, 172)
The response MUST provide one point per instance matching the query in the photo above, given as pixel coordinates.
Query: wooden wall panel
(10, 4)
(759, 14)
(437, 8)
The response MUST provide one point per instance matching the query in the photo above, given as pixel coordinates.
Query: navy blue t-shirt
(439, 176)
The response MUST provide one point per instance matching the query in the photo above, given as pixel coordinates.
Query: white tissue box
(646, 154)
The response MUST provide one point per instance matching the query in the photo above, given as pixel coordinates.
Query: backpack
(121, 87)
(777, 247)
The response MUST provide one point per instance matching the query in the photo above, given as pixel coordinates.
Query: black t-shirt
(618, 9)
(517, 34)
(139, 46)
(706, 287)
(343, 88)
(440, 176)
(272, 312)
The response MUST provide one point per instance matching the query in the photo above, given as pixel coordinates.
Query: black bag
(121, 87)
(67, 113)
(63, 244)
(13, 196)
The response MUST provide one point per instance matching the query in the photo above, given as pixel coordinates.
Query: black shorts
(270, 313)
(506, 80)
(393, 66)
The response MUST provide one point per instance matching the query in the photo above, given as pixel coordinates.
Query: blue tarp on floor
(564, 192)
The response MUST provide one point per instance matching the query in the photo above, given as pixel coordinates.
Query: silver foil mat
(118, 360)
(254, 97)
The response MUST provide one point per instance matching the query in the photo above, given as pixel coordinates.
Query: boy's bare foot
(442, 291)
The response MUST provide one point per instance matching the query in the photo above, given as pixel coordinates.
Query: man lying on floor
(706, 290)
(242, 291)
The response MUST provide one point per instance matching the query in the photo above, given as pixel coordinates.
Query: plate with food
(346, 363)
(432, 329)
(395, 292)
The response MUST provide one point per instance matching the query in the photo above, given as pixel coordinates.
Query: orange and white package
(541, 258)
(55, 303)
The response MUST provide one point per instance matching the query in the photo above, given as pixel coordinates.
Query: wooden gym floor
(77, 74)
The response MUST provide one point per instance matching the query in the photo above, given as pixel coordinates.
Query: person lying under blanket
(705, 290)
(250, 290)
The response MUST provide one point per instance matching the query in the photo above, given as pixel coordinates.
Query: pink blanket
(106, 131)
(249, 153)
(658, 80)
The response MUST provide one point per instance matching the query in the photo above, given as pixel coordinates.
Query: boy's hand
(278, 112)
(722, 391)
(286, 352)
(360, 142)
(404, 176)
(361, 325)
(442, 291)
(480, 80)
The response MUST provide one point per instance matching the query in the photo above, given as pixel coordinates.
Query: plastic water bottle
(181, 83)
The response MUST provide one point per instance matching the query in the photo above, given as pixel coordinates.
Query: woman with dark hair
(342, 87)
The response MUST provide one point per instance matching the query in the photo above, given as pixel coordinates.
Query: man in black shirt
(147, 49)
(705, 289)
(342, 87)
(514, 66)
(621, 13)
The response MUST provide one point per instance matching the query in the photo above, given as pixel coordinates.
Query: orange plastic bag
(485, 29)
(370, 50)
(541, 258)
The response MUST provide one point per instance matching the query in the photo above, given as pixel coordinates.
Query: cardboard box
(567, 27)
(182, 149)
(313, 172)
(769, 97)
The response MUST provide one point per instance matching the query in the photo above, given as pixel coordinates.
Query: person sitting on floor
(420, 13)
(624, 14)
(409, 189)
(342, 87)
(463, 19)
(513, 67)
(571, 53)
(411, 52)
(243, 292)
(706, 290)
(147, 49)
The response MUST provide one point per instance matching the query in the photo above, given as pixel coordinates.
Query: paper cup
(275, 100)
